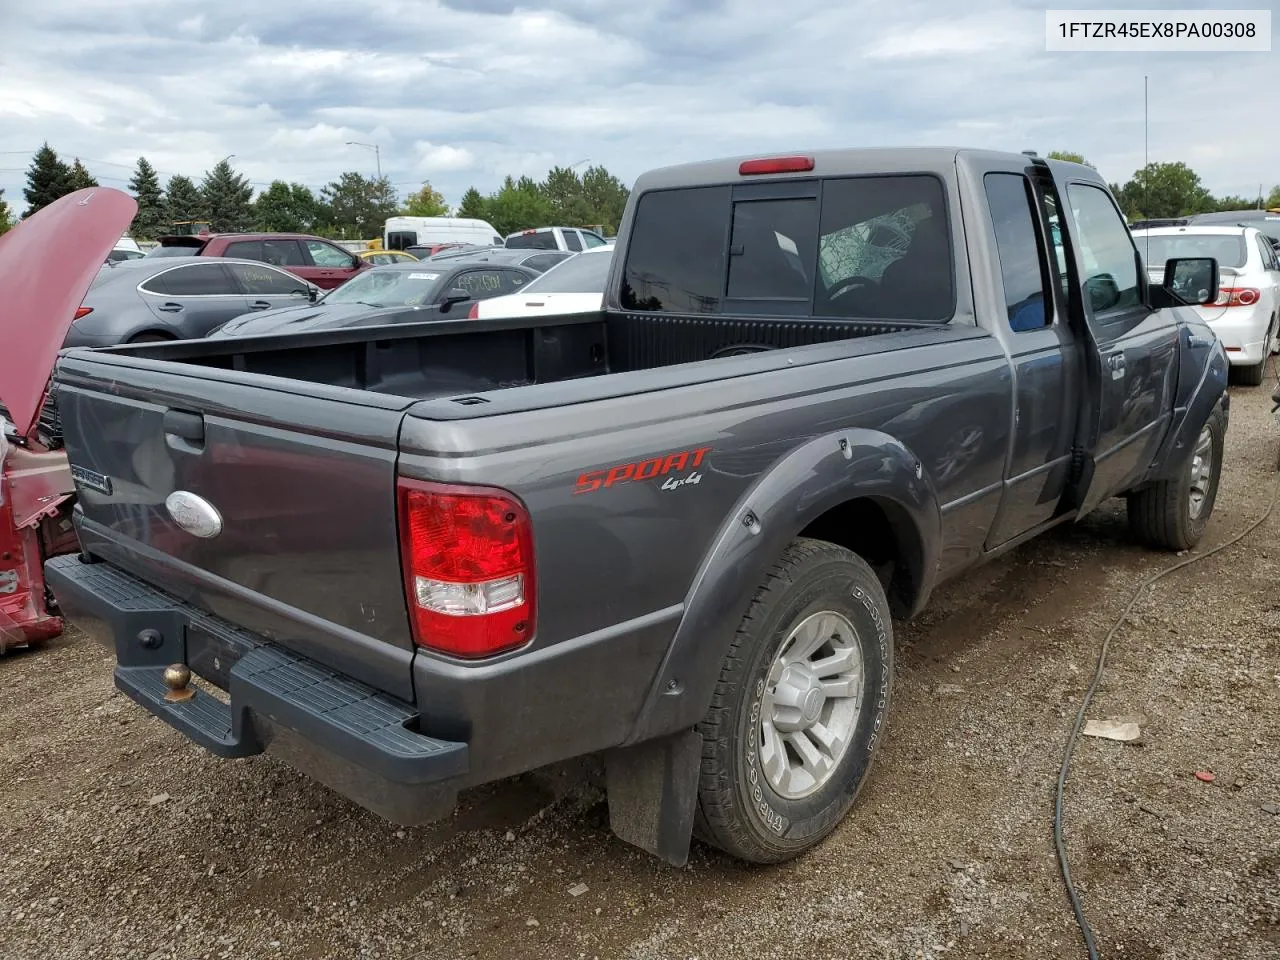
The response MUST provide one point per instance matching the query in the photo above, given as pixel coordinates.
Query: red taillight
(82, 312)
(474, 312)
(468, 567)
(775, 165)
(1237, 297)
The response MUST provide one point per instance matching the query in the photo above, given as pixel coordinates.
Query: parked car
(126, 248)
(317, 261)
(400, 293)
(400, 233)
(673, 532)
(383, 258)
(426, 251)
(147, 300)
(37, 493)
(1246, 313)
(574, 286)
(538, 261)
(572, 239)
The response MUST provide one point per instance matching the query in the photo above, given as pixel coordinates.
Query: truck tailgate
(304, 483)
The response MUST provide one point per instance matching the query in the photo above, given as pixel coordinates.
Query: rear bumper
(1243, 332)
(349, 736)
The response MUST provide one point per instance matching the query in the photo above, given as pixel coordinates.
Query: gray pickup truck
(674, 533)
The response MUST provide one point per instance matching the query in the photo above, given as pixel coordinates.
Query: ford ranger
(676, 532)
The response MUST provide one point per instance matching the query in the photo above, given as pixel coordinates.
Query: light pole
(377, 154)
(229, 156)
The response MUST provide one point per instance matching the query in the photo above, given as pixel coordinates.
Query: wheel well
(883, 534)
(151, 336)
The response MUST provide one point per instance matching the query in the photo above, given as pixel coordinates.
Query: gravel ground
(120, 839)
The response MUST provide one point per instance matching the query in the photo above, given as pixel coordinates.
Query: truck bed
(463, 358)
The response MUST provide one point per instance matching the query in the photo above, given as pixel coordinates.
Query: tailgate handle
(187, 428)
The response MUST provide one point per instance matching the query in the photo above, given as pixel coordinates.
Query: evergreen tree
(145, 187)
(48, 178)
(6, 215)
(357, 206)
(228, 199)
(81, 178)
(182, 201)
(473, 206)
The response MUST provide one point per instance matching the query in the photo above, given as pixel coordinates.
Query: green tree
(357, 206)
(426, 202)
(1273, 199)
(1165, 190)
(606, 195)
(1233, 203)
(182, 200)
(6, 215)
(228, 199)
(519, 205)
(48, 178)
(474, 206)
(568, 198)
(149, 222)
(1069, 156)
(81, 178)
(287, 208)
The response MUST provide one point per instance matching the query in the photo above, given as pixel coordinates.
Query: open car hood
(47, 263)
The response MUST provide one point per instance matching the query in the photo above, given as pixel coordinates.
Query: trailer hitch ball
(177, 677)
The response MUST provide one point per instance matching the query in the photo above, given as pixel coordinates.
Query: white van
(402, 232)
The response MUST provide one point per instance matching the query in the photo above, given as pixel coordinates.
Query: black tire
(1160, 515)
(150, 338)
(738, 810)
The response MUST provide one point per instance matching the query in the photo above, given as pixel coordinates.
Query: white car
(1246, 315)
(575, 285)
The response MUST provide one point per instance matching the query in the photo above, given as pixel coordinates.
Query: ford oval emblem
(194, 514)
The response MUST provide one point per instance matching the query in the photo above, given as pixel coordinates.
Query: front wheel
(800, 706)
(1173, 514)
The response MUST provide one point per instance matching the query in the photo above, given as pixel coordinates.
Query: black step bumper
(357, 740)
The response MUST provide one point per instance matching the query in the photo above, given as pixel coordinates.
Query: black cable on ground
(1085, 930)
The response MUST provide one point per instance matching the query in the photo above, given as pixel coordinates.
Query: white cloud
(442, 158)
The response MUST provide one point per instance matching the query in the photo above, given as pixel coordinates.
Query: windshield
(585, 273)
(388, 287)
(1228, 249)
(182, 250)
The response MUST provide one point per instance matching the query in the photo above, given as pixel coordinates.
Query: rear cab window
(873, 247)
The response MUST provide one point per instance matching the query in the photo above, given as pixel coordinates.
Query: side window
(772, 249)
(513, 281)
(675, 255)
(542, 261)
(884, 250)
(591, 239)
(572, 241)
(1268, 253)
(244, 250)
(479, 283)
(283, 253)
(199, 280)
(262, 281)
(1010, 202)
(324, 255)
(1107, 250)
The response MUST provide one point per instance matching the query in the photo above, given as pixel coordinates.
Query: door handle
(184, 430)
(1116, 363)
(259, 305)
(170, 307)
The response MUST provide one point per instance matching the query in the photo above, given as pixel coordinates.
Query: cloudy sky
(461, 92)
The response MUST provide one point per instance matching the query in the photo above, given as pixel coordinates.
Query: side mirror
(456, 295)
(1191, 281)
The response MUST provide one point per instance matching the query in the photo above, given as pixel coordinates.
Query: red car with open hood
(46, 265)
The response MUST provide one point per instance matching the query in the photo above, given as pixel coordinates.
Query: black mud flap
(653, 794)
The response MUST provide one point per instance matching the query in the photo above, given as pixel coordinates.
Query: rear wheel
(1173, 514)
(800, 706)
(150, 338)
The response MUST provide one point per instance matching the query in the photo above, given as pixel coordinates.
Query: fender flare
(821, 474)
(1209, 392)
